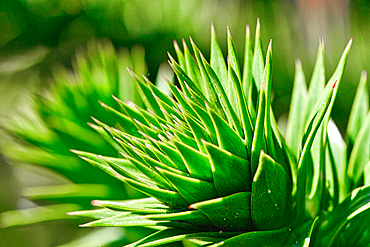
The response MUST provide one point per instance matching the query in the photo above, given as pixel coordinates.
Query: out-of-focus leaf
(296, 109)
(359, 110)
(99, 237)
(304, 161)
(360, 154)
(36, 214)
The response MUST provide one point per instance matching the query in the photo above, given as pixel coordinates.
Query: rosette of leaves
(57, 120)
(217, 168)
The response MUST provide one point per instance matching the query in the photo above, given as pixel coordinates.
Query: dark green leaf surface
(231, 173)
(196, 162)
(276, 238)
(226, 136)
(193, 190)
(271, 195)
(230, 212)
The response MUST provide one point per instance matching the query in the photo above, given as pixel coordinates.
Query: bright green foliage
(57, 122)
(217, 168)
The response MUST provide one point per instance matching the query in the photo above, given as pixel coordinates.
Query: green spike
(199, 132)
(150, 173)
(146, 95)
(192, 68)
(267, 78)
(223, 99)
(182, 76)
(217, 60)
(243, 113)
(258, 64)
(306, 154)
(173, 153)
(147, 205)
(206, 120)
(259, 141)
(180, 55)
(247, 71)
(227, 138)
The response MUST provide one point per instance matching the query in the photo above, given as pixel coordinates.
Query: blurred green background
(37, 35)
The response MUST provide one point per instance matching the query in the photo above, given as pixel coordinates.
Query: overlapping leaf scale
(196, 162)
(230, 212)
(231, 173)
(271, 195)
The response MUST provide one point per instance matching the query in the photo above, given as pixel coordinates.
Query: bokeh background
(38, 35)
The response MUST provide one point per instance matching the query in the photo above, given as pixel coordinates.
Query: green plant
(218, 169)
(56, 120)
